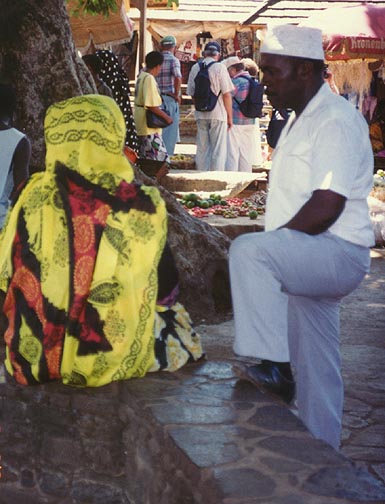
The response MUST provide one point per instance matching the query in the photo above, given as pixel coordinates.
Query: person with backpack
(258, 157)
(247, 106)
(210, 87)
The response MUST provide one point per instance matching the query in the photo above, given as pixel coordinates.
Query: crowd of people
(226, 138)
(88, 284)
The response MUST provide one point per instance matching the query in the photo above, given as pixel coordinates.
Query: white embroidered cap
(291, 40)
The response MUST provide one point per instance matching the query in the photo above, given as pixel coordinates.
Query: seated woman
(80, 256)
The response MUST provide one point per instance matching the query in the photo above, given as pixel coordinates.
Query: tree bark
(201, 255)
(37, 55)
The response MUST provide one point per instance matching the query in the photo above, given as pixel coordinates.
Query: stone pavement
(363, 351)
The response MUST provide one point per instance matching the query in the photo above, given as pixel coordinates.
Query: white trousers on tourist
(240, 147)
(286, 288)
(257, 146)
(211, 145)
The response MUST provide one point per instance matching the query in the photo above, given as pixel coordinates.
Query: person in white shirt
(15, 151)
(212, 126)
(287, 282)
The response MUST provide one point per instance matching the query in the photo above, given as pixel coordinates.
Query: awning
(115, 29)
(221, 18)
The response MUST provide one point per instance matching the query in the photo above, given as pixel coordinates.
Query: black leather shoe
(269, 377)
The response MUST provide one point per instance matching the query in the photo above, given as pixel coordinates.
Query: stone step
(226, 184)
(196, 436)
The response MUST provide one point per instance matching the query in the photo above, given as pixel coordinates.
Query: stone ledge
(194, 436)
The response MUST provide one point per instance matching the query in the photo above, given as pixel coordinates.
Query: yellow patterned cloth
(79, 256)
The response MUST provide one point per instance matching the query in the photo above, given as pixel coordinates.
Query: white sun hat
(291, 40)
(230, 61)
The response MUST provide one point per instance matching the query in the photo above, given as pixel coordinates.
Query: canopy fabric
(189, 30)
(115, 29)
(354, 32)
(221, 18)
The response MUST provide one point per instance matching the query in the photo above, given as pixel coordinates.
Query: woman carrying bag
(148, 98)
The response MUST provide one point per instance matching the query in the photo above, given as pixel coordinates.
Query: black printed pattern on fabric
(115, 77)
(54, 317)
(169, 331)
(126, 196)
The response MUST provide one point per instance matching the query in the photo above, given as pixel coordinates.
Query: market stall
(99, 30)
(354, 37)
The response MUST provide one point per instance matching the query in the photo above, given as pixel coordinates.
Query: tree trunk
(201, 255)
(37, 55)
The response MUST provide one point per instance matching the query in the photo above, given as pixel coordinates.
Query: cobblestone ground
(363, 351)
(363, 347)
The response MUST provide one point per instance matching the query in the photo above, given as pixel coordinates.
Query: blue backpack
(204, 99)
(252, 105)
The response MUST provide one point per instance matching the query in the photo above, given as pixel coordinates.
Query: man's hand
(228, 103)
(176, 97)
(319, 213)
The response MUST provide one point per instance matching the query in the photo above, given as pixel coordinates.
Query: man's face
(280, 76)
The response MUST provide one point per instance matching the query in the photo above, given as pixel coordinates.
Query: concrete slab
(227, 184)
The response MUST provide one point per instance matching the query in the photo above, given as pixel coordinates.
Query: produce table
(231, 216)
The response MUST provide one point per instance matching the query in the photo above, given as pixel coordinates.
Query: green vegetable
(191, 197)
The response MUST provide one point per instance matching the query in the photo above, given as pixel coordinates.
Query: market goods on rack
(229, 208)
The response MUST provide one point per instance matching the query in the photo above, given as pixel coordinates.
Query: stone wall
(63, 445)
(196, 436)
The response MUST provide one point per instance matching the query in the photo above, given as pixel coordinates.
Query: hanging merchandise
(186, 51)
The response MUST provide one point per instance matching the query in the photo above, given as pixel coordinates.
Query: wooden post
(142, 34)
(142, 6)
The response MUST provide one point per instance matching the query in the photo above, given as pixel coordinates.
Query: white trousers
(286, 289)
(243, 147)
(211, 145)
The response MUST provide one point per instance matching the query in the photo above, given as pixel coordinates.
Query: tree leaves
(95, 7)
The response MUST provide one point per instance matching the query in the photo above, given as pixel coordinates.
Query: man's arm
(177, 86)
(20, 162)
(319, 213)
(228, 103)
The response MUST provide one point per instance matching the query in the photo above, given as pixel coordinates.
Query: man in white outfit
(212, 125)
(288, 282)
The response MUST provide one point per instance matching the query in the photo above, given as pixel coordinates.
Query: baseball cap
(230, 61)
(291, 40)
(168, 40)
(213, 47)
